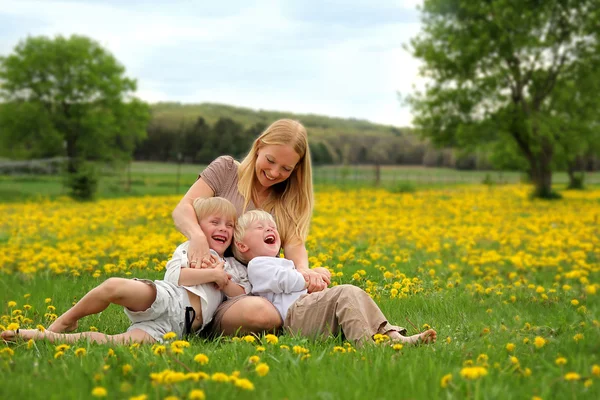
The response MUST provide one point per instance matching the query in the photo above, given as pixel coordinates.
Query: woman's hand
(325, 274)
(315, 280)
(198, 252)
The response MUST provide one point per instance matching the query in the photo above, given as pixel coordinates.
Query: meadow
(511, 285)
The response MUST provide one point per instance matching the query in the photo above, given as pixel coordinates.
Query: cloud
(339, 58)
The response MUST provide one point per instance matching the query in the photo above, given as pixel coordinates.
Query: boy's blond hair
(214, 206)
(242, 224)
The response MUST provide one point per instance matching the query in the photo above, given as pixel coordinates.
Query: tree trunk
(541, 176)
(575, 180)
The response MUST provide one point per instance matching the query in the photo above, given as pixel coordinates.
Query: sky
(342, 58)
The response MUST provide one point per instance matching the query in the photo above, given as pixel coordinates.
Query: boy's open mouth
(219, 238)
(270, 239)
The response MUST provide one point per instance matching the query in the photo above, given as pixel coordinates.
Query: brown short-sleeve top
(221, 175)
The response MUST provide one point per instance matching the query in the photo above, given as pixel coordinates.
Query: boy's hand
(316, 281)
(325, 274)
(209, 261)
(221, 277)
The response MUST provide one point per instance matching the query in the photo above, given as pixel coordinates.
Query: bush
(403, 187)
(83, 183)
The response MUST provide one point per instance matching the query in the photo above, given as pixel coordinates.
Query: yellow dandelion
(448, 340)
(473, 373)
(578, 337)
(93, 329)
(397, 346)
(201, 359)
(260, 348)
(244, 384)
(80, 352)
(588, 383)
(62, 347)
(539, 342)
(560, 361)
(158, 350)
(13, 326)
(271, 339)
(169, 335)
(48, 300)
(12, 304)
(59, 354)
(262, 369)
(253, 359)
(126, 369)
(7, 351)
(249, 339)
(284, 347)
(219, 377)
(110, 353)
(596, 370)
(572, 376)
(514, 360)
(510, 347)
(446, 380)
(99, 391)
(197, 394)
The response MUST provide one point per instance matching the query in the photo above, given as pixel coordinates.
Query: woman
(275, 176)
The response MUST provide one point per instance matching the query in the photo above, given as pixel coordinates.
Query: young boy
(183, 303)
(344, 308)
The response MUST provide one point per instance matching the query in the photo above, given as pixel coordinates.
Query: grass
(484, 267)
(159, 179)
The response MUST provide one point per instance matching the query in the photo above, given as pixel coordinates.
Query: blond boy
(344, 309)
(182, 303)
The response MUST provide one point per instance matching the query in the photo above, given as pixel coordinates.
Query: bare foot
(62, 325)
(429, 336)
(25, 334)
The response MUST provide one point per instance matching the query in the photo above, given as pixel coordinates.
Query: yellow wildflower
(271, 339)
(473, 373)
(254, 359)
(80, 352)
(169, 335)
(262, 369)
(201, 359)
(197, 394)
(244, 384)
(12, 304)
(596, 370)
(572, 376)
(560, 361)
(539, 342)
(99, 391)
(510, 347)
(446, 380)
(126, 369)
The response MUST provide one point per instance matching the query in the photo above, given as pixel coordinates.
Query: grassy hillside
(173, 115)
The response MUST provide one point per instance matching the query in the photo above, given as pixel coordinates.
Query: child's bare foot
(25, 334)
(429, 336)
(62, 325)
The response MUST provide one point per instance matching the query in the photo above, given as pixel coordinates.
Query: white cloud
(266, 54)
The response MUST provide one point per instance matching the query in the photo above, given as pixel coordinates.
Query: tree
(495, 66)
(69, 95)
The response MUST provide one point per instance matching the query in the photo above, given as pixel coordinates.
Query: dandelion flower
(244, 384)
(262, 369)
(12, 326)
(99, 391)
(201, 359)
(572, 376)
(587, 383)
(158, 350)
(197, 394)
(510, 347)
(578, 337)
(473, 373)
(539, 342)
(219, 377)
(446, 380)
(48, 300)
(254, 359)
(397, 347)
(169, 335)
(596, 370)
(126, 369)
(59, 354)
(12, 304)
(271, 339)
(260, 348)
(561, 361)
(575, 302)
(80, 352)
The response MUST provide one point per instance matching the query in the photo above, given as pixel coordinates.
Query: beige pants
(343, 309)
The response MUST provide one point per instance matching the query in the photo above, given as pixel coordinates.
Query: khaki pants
(345, 308)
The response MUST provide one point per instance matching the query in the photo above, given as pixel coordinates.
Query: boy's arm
(177, 262)
(232, 289)
(270, 274)
(178, 273)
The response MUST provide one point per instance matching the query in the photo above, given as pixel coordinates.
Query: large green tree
(69, 96)
(494, 67)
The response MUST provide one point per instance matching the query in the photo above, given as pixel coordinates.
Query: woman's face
(274, 164)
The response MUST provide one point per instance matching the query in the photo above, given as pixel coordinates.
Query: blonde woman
(275, 176)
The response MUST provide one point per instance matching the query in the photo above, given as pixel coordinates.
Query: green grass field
(510, 285)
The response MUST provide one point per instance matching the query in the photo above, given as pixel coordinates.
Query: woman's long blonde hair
(291, 201)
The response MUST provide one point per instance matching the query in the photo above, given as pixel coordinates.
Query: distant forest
(198, 133)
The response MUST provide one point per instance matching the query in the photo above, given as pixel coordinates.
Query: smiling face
(260, 239)
(218, 230)
(274, 164)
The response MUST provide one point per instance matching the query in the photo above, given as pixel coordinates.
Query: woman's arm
(186, 222)
(297, 253)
